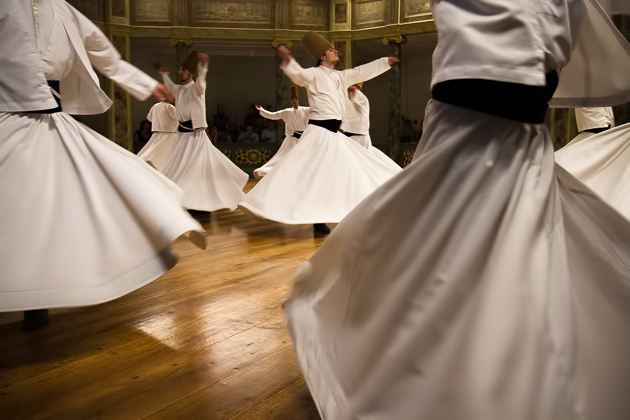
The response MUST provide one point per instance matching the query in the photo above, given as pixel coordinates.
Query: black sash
(54, 84)
(185, 126)
(596, 130)
(349, 134)
(513, 101)
(297, 134)
(330, 125)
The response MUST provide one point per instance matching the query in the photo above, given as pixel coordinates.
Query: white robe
(295, 120)
(159, 149)
(483, 282)
(209, 180)
(84, 221)
(326, 174)
(357, 120)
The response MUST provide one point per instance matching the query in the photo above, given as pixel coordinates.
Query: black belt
(349, 134)
(54, 85)
(185, 126)
(297, 134)
(596, 130)
(513, 101)
(330, 125)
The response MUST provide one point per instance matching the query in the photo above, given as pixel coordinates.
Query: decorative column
(395, 83)
(120, 129)
(282, 87)
(182, 48)
(622, 112)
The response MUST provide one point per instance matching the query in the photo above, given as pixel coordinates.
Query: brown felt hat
(190, 62)
(316, 45)
(294, 92)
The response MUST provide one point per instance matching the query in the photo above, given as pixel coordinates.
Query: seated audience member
(221, 119)
(268, 135)
(233, 128)
(248, 136)
(142, 136)
(408, 134)
(251, 117)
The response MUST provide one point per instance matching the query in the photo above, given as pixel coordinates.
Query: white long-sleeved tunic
(190, 99)
(543, 37)
(327, 88)
(589, 118)
(66, 52)
(295, 119)
(163, 117)
(357, 117)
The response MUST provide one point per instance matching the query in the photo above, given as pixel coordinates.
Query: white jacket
(574, 37)
(23, 86)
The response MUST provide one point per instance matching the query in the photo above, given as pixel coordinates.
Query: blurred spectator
(142, 136)
(259, 126)
(408, 134)
(248, 136)
(251, 117)
(269, 134)
(221, 119)
(233, 128)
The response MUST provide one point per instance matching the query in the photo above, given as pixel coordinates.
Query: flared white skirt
(83, 220)
(319, 181)
(209, 179)
(481, 283)
(602, 162)
(287, 145)
(366, 142)
(159, 149)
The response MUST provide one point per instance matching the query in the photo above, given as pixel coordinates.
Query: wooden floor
(205, 341)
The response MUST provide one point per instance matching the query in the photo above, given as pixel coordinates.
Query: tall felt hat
(190, 62)
(294, 92)
(315, 44)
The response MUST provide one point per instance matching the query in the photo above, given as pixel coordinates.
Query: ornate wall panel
(151, 11)
(120, 108)
(415, 10)
(235, 13)
(118, 8)
(310, 14)
(93, 9)
(369, 13)
(341, 13)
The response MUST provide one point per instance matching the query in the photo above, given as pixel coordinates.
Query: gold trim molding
(185, 41)
(277, 42)
(398, 39)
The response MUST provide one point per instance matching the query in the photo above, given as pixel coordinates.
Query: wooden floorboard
(205, 341)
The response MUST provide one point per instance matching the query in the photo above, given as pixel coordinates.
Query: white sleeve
(365, 72)
(106, 59)
(297, 74)
(277, 115)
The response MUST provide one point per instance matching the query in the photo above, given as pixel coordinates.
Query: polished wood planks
(205, 341)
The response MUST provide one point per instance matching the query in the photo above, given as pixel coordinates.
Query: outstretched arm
(277, 115)
(104, 57)
(295, 72)
(367, 71)
(202, 72)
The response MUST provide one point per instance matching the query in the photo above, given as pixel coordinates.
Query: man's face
(295, 102)
(184, 75)
(331, 56)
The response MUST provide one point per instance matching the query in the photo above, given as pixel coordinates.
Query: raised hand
(163, 71)
(284, 53)
(258, 107)
(392, 60)
(161, 92)
(203, 58)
